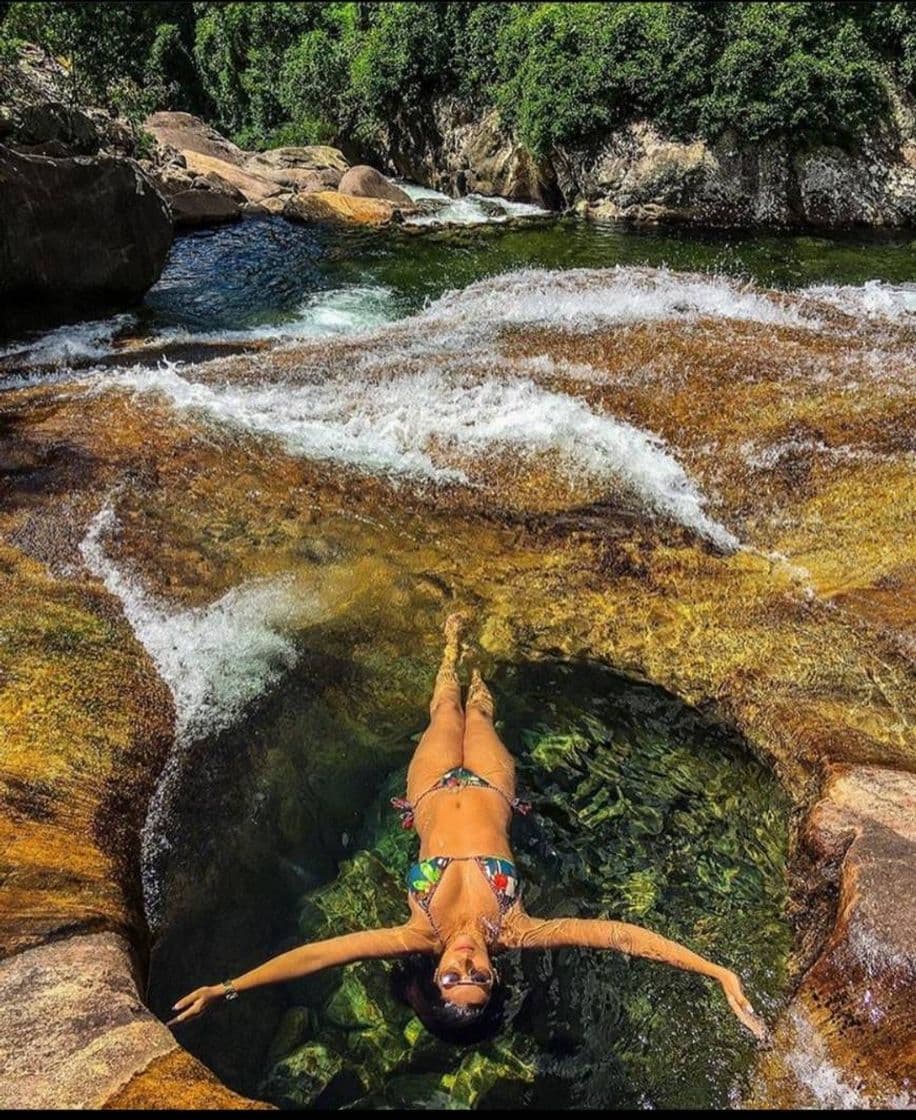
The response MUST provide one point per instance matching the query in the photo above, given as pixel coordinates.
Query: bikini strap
(406, 810)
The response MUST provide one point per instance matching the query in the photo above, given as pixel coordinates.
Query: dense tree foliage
(559, 73)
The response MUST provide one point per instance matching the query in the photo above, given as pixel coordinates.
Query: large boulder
(312, 157)
(366, 182)
(54, 123)
(79, 231)
(188, 133)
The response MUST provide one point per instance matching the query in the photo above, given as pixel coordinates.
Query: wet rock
(854, 1005)
(73, 1029)
(323, 206)
(366, 182)
(82, 231)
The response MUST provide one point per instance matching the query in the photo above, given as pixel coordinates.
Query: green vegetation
(270, 73)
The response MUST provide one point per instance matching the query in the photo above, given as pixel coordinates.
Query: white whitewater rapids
(420, 398)
(416, 399)
(215, 660)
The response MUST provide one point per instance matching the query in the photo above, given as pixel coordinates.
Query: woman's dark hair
(413, 982)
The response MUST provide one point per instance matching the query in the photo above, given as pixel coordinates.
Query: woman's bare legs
(484, 751)
(440, 749)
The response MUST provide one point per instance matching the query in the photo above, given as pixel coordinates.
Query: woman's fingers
(187, 1000)
(741, 1006)
(196, 1008)
(190, 1006)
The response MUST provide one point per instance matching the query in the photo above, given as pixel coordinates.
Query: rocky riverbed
(698, 482)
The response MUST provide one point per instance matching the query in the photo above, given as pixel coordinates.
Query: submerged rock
(801, 637)
(86, 231)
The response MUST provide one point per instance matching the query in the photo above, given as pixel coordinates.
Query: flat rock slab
(312, 157)
(255, 188)
(188, 133)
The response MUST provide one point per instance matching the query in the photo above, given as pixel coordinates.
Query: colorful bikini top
(425, 876)
(458, 778)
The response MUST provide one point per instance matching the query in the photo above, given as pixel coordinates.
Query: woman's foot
(454, 628)
(479, 696)
(447, 676)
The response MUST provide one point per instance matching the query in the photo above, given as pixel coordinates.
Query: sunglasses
(477, 976)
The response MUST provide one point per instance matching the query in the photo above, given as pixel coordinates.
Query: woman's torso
(459, 824)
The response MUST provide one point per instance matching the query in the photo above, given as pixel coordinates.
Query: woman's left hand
(741, 1005)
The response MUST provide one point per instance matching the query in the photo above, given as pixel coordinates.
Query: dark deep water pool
(268, 272)
(644, 811)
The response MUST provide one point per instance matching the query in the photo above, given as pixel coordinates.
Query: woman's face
(465, 975)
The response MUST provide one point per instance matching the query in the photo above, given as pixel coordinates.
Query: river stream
(334, 437)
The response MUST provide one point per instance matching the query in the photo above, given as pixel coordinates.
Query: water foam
(586, 299)
(819, 1077)
(324, 314)
(388, 424)
(73, 344)
(469, 210)
(216, 659)
(875, 299)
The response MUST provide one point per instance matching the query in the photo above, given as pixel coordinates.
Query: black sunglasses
(477, 976)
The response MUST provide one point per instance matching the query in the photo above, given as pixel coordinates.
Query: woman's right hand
(741, 1005)
(196, 1003)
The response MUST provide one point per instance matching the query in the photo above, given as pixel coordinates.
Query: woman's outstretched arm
(398, 941)
(554, 933)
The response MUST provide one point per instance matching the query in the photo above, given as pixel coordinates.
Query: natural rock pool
(644, 810)
(684, 459)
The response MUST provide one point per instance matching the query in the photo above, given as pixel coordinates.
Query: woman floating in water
(464, 893)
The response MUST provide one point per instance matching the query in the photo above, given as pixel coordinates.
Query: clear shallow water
(644, 812)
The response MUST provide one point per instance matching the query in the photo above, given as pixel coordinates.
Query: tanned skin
(469, 821)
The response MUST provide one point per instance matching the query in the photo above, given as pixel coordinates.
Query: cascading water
(411, 404)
